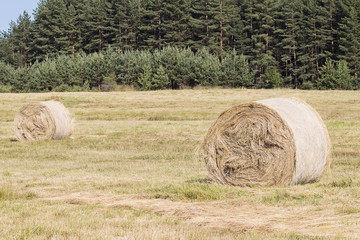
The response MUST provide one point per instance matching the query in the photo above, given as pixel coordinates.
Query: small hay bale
(43, 120)
(277, 141)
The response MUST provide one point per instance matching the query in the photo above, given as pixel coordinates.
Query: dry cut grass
(133, 170)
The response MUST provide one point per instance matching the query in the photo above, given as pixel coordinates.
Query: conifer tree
(232, 25)
(5, 73)
(315, 41)
(59, 21)
(350, 40)
(226, 16)
(289, 31)
(175, 23)
(145, 78)
(202, 23)
(95, 26)
(78, 31)
(259, 26)
(151, 25)
(73, 30)
(335, 76)
(160, 79)
(235, 71)
(135, 17)
(20, 38)
(42, 34)
(121, 23)
(5, 52)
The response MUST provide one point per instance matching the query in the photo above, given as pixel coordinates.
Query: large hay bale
(275, 141)
(42, 120)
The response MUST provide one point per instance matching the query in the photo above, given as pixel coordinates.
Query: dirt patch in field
(234, 215)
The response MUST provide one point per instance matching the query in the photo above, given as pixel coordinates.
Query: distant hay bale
(42, 120)
(277, 141)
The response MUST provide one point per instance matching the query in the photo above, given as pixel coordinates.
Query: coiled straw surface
(42, 120)
(275, 141)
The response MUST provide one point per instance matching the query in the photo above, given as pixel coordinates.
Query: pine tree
(42, 34)
(226, 15)
(5, 73)
(175, 23)
(59, 23)
(208, 68)
(44, 76)
(288, 21)
(55, 29)
(350, 40)
(95, 69)
(95, 26)
(232, 26)
(160, 79)
(316, 39)
(235, 71)
(151, 22)
(19, 79)
(20, 38)
(135, 13)
(4, 47)
(73, 30)
(110, 30)
(78, 31)
(145, 78)
(121, 24)
(202, 24)
(125, 69)
(246, 40)
(259, 27)
(335, 76)
(9, 44)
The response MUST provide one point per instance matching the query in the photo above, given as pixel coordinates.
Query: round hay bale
(277, 141)
(42, 120)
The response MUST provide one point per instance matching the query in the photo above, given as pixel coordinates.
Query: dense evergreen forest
(157, 44)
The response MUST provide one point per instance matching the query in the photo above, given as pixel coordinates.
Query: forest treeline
(161, 69)
(156, 44)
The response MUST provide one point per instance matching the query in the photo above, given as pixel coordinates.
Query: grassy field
(133, 170)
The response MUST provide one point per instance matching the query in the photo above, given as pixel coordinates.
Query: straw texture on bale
(277, 141)
(42, 120)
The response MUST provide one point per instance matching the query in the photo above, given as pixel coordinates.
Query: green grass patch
(342, 183)
(286, 197)
(8, 193)
(196, 191)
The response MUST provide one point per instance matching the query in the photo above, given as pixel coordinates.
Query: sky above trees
(11, 11)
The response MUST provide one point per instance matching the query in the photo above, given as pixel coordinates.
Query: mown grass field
(133, 170)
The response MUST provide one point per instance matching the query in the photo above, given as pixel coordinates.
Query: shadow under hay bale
(42, 120)
(277, 141)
